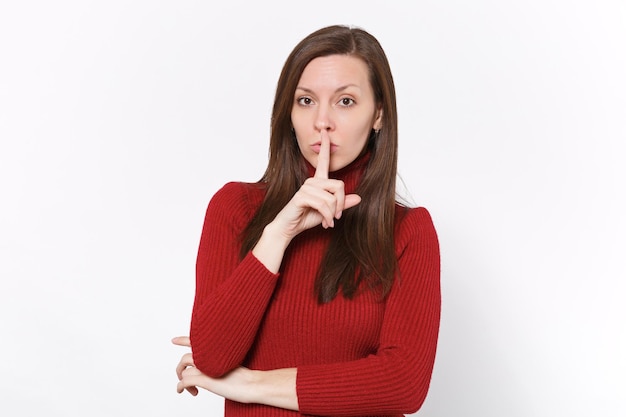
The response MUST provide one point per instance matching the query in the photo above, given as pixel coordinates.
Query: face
(334, 94)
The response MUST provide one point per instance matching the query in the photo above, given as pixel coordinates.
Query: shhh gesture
(320, 200)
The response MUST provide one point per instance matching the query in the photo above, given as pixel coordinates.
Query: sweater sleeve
(231, 295)
(396, 378)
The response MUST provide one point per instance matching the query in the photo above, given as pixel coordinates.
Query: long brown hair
(362, 245)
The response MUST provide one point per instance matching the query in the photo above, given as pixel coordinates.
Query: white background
(120, 119)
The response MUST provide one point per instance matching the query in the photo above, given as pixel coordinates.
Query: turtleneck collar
(350, 174)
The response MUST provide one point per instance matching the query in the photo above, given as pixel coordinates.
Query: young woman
(316, 292)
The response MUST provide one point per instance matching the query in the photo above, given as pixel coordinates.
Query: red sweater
(354, 357)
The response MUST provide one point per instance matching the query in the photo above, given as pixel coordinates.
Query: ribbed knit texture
(359, 357)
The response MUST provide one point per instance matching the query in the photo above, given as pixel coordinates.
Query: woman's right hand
(320, 200)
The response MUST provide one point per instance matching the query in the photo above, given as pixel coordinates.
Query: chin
(338, 167)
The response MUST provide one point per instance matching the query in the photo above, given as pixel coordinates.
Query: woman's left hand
(233, 386)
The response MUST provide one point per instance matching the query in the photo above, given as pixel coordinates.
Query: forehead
(335, 71)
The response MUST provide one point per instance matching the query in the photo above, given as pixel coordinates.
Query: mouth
(318, 145)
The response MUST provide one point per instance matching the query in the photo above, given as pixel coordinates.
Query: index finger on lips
(323, 158)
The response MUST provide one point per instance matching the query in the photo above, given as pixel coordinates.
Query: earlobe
(378, 122)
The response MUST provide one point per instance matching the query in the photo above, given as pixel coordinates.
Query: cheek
(304, 148)
(359, 131)
(299, 118)
(301, 145)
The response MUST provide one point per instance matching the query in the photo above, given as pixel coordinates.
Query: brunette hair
(362, 246)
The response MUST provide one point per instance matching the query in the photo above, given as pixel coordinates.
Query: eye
(304, 101)
(346, 102)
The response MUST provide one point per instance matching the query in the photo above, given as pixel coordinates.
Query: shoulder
(239, 193)
(413, 218)
(236, 201)
(414, 225)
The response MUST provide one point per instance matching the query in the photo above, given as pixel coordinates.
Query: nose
(323, 120)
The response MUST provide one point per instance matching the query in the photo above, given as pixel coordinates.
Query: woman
(316, 292)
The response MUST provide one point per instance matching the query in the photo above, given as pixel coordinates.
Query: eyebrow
(338, 90)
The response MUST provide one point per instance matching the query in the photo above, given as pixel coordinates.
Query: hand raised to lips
(320, 200)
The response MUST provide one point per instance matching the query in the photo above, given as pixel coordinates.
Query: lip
(318, 145)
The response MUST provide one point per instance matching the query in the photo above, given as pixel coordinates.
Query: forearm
(390, 382)
(225, 322)
(226, 317)
(276, 388)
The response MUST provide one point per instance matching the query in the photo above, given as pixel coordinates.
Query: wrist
(271, 247)
(273, 233)
(255, 386)
(275, 387)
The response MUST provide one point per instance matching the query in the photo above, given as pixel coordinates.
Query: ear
(378, 122)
